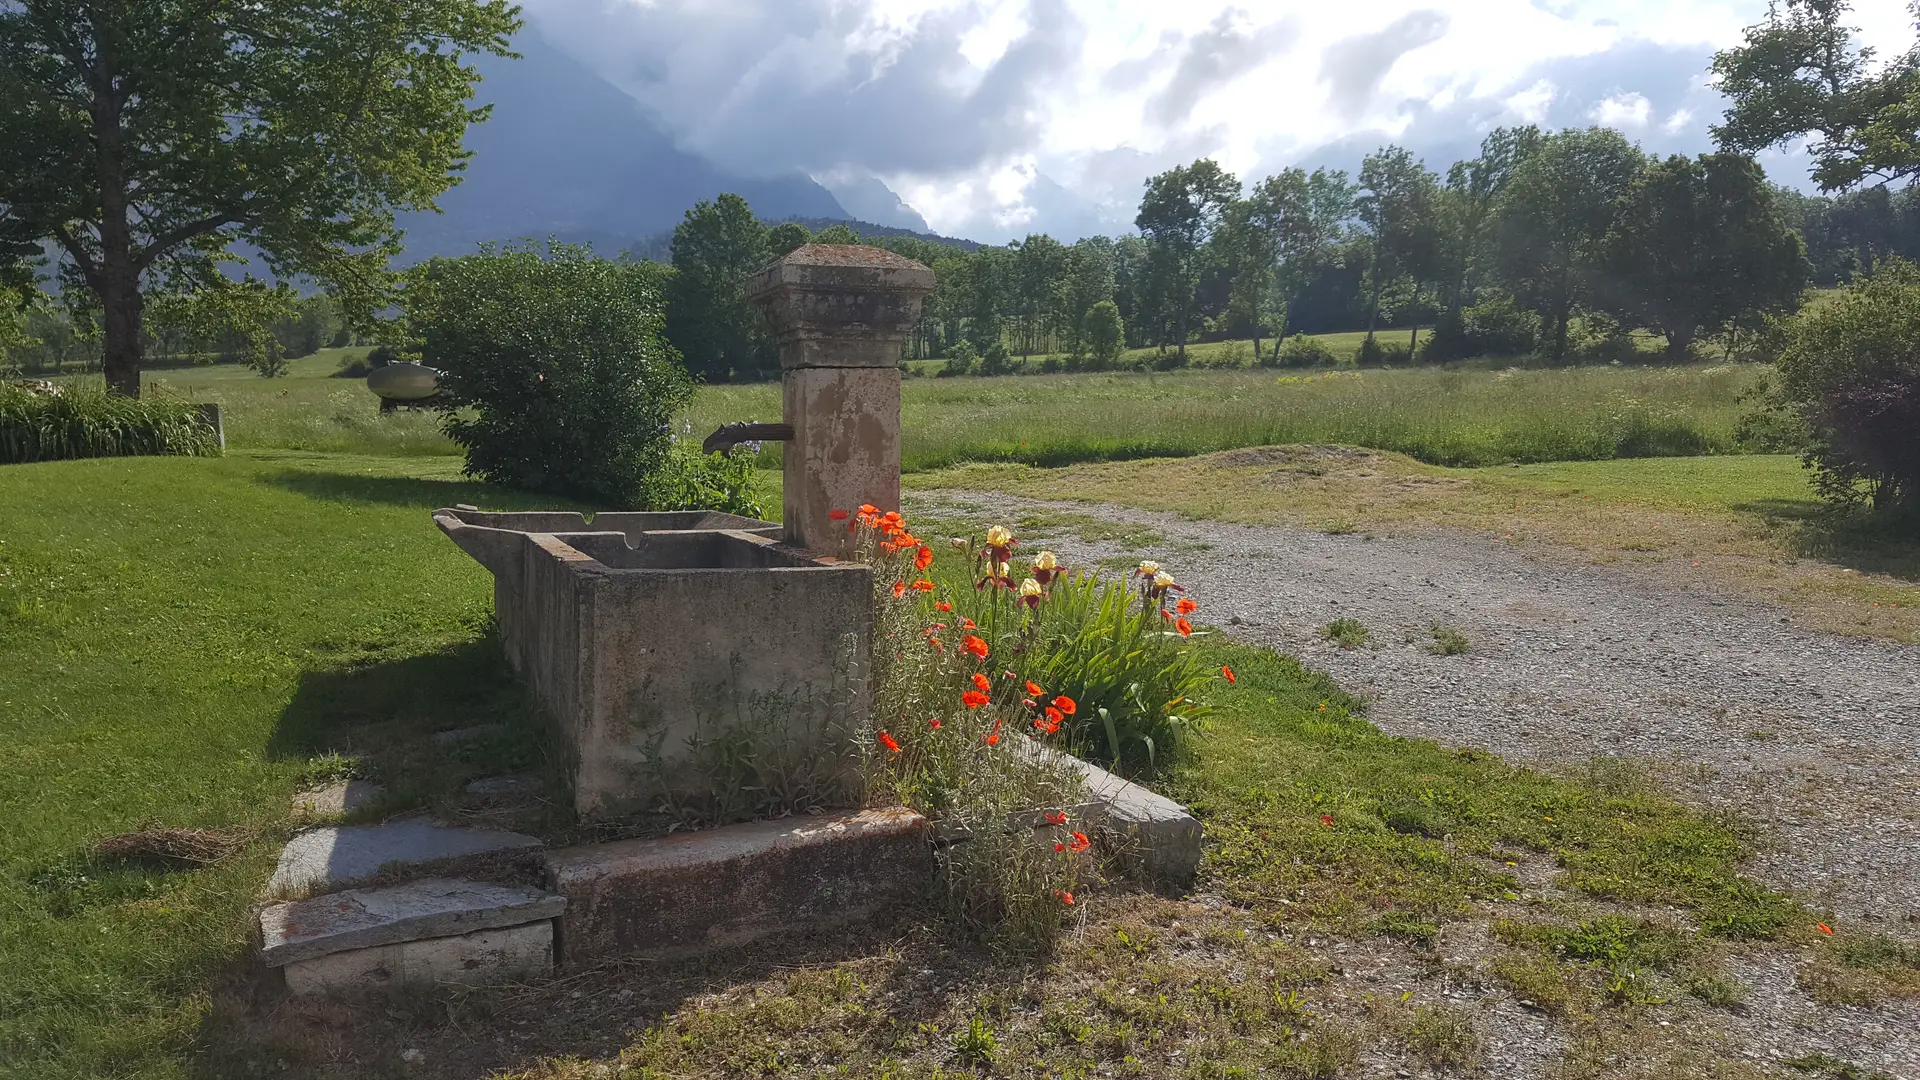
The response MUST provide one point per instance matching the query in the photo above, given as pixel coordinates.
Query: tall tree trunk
(116, 280)
(121, 309)
(1286, 312)
(1373, 310)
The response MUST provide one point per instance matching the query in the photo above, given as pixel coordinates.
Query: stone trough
(679, 655)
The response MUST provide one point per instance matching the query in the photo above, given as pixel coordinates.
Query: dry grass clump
(170, 847)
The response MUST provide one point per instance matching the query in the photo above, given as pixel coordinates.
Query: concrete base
(1155, 836)
(690, 893)
(484, 956)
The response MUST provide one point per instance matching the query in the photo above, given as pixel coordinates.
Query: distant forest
(1557, 245)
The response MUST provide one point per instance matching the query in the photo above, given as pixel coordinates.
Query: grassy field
(187, 642)
(1461, 415)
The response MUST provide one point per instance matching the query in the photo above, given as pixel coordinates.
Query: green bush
(1301, 351)
(555, 369)
(1850, 372)
(1105, 334)
(1378, 352)
(961, 356)
(1493, 327)
(690, 479)
(82, 420)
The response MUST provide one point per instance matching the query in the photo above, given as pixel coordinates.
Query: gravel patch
(1814, 737)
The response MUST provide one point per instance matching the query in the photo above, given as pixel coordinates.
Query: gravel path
(1814, 737)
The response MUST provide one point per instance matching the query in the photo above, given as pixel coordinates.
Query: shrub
(997, 360)
(690, 479)
(1850, 372)
(961, 356)
(1495, 326)
(1378, 352)
(82, 420)
(1301, 351)
(1105, 334)
(557, 367)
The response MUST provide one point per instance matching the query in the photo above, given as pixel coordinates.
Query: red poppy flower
(838, 515)
(974, 645)
(889, 742)
(899, 589)
(1033, 689)
(973, 699)
(985, 684)
(993, 737)
(1186, 606)
(1055, 715)
(1326, 819)
(1058, 847)
(1185, 627)
(923, 558)
(1065, 704)
(966, 623)
(1824, 928)
(1228, 672)
(942, 605)
(923, 585)
(1080, 842)
(1056, 817)
(1065, 897)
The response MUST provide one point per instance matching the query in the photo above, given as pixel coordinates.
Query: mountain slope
(567, 154)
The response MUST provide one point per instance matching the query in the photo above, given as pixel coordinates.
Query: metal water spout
(839, 314)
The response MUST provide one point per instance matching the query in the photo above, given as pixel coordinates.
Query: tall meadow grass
(84, 421)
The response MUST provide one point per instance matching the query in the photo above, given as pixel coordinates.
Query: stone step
(481, 958)
(692, 892)
(338, 855)
(366, 918)
(1154, 835)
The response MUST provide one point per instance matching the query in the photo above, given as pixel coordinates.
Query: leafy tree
(719, 333)
(836, 234)
(145, 139)
(1089, 280)
(1305, 215)
(1039, 265)
(1850, 372)
(1698, 245)
(1559, 206)
(1798, 72)
(1104, 333)
(558, 376)
(1181, 209)
(1397, 196)
(786, 237)
(1466, 207)
(233, 318)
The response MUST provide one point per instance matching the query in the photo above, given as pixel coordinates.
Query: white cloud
(1626, 112)
(979, 112)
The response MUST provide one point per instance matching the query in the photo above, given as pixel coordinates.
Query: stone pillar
(840, 314)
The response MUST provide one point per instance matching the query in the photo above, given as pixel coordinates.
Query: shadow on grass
(1853, 539)
(410, 491)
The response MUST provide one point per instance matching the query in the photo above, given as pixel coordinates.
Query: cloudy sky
(995, 118)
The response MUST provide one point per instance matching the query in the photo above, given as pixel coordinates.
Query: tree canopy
(144, 140)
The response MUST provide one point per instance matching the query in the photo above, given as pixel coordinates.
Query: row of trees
(1546, 227)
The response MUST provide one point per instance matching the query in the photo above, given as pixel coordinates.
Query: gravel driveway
(1814, 737)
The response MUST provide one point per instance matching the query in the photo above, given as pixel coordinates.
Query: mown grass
(1463, 415)
(226, 630)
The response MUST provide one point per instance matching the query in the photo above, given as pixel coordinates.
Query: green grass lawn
(184, 642)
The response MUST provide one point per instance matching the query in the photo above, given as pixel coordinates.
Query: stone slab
(366, 918)
(689, 893)
(335, 799)
(476, 959)
(342, 854)
(1157, 836)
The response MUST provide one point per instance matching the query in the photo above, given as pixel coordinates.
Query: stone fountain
(685, 657)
